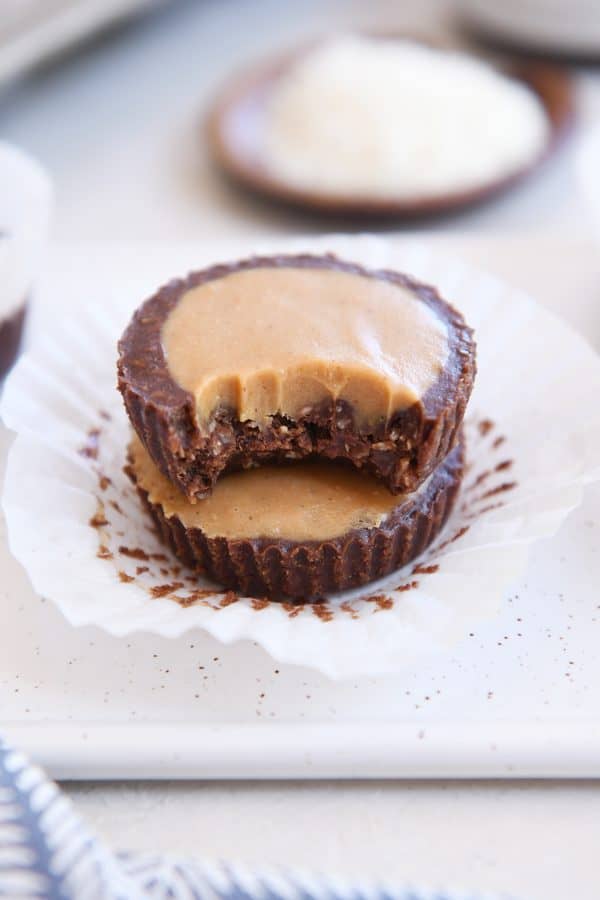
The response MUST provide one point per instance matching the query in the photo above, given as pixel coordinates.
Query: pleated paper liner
(77, 525)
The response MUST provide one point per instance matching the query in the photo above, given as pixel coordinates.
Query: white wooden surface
(517, 695)
(118, 128)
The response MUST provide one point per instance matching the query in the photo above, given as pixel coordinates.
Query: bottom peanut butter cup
(298, 531)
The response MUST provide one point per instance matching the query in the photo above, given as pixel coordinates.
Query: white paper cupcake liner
(76, 524)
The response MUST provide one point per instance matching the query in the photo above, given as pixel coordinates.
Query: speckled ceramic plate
(517, 696)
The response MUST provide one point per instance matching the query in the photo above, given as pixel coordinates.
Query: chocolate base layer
(402, 451)
(11, 333)
(304, 570)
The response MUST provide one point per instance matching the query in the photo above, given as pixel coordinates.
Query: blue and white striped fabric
(47, 851)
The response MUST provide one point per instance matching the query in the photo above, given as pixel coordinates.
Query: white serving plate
(520, 697)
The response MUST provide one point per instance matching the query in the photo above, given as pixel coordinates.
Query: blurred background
(110, 96)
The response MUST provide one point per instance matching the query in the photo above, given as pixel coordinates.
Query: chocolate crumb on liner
(402, 452)
(304, 570)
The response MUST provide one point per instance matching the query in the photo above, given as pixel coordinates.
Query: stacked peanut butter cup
(298, 420)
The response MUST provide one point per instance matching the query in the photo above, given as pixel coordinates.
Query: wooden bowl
(236, 122)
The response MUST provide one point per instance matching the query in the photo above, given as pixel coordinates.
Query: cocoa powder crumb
(90, 448)
(258, 604)
(407, 586)
(198, 595)
(348, 608)
(292, 609)
(422, 569)
(322, 611)
(505, 464)
(98, 520)
(455, 537)
(104, 481)
(125, 578)
(182, 601)
(104, 552)
(116, 506)
(485, 426)
(228, 598)
(479, 480)
(382, 601)
(486, 509)
(499, 489)
(162, 590)
(139, 570)
(134, 553)
(498, 441)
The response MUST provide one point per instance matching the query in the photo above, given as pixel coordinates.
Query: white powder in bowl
(368, 116)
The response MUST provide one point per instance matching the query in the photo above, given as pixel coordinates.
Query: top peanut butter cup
(288, 357)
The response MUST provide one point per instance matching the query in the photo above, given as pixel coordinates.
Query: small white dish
(25, 202)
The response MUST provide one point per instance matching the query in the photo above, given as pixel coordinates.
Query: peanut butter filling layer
(265, 341)
(301, 502)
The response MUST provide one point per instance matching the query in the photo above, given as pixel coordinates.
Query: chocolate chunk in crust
(11, 333)
(401, 451)
(303, 570)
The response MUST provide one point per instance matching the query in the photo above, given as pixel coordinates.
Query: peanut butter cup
(283, 358)
(300, 530)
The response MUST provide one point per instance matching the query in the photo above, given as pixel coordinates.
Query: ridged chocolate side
(281, 569)
(11, 332)
(401, 452)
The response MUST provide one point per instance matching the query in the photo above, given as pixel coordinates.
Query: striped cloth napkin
(47, 851)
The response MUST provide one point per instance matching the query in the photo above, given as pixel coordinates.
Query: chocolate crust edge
(306, 570)
(401, 452)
